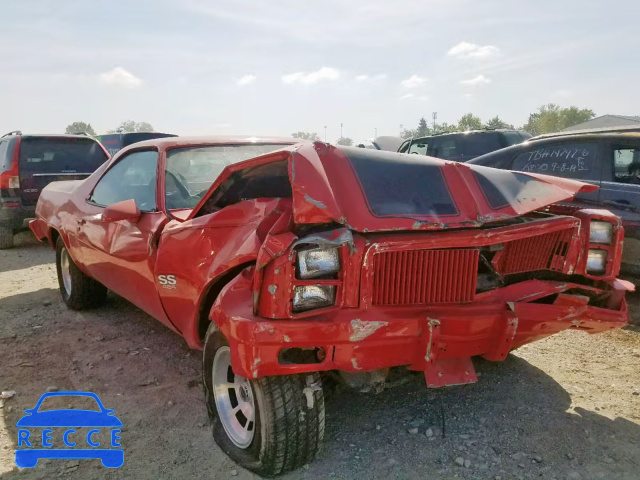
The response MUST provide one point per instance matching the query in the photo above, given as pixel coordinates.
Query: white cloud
(325, 73)
(407, 96)
(413, 81)
(471, 50)
(371, 78)
(246, 80)
(475, 81)
(121, 78)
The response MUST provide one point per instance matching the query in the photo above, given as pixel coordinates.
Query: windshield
(75, 402)
(191, 171)
(60, 155)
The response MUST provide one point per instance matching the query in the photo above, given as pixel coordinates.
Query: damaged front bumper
(439, 341)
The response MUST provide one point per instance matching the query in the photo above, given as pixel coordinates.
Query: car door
(620, 193)
(122, 254)
(576, 159)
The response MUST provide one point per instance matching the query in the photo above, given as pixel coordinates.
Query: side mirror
(126, 210)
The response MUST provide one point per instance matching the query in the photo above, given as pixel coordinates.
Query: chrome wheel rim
(234, 400)
(65, 270)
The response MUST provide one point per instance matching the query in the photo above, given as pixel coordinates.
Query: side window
(419, 148)
(5, 159)
(442, 148)
(569, 160)
(626, 164)
(133, 177)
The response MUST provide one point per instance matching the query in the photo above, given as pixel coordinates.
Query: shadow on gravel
(27, 252)
(28, 299)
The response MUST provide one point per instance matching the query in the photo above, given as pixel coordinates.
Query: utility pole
(434, 116)
(375, 133)
(340, 129)
(325, 134)
(401, 129)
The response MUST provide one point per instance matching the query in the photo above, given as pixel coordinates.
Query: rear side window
(569, 160)
(5, 155)
(476, 144)
(512, 138)
(60, 155)
(465, 146)
(626, 164)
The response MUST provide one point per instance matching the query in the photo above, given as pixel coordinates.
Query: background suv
(30, 162)
(463, 146)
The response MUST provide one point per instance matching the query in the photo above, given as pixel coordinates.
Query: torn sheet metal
(361, 329)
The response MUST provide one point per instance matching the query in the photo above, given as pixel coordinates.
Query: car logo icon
(69, 420)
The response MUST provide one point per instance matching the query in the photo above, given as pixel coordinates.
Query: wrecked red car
(282, 261)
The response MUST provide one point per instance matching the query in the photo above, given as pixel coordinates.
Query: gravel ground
(567, 407)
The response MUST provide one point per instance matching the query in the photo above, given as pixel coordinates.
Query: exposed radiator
(418, 277)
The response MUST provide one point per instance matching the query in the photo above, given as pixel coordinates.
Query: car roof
(496, 130)
(578, 137)
(187, 141)
(48, 135)
(587, 131)
(552, 140)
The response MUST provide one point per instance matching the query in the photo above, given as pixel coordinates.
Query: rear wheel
(6, 238)
(270, 425)
(78, 290)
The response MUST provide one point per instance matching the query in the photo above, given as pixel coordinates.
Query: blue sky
(275, 67)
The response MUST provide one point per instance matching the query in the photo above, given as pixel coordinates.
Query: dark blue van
(609, 160)
(113, 142)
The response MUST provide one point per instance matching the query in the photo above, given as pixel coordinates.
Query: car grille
(541, 252)
(418, 277)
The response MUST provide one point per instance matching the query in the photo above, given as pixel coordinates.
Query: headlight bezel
(316, 266)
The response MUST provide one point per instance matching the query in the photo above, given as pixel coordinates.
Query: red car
(285, 260)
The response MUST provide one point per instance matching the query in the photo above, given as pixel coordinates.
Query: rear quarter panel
(201, 250)
(57, 206)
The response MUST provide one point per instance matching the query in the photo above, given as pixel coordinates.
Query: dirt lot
(567, 407)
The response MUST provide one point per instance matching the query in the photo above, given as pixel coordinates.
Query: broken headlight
(308, 297)
(600, 232)
(317, 262)
(596, 261)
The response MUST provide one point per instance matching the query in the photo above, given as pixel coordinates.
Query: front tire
(78, 290)
(270, 425)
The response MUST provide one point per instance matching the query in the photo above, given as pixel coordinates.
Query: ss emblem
(167, 281)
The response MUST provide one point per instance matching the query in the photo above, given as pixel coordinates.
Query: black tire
(289, 425)
(84, 292)
(6, 238)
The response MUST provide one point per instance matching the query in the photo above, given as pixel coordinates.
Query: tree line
(128, 126)
(548, 119)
